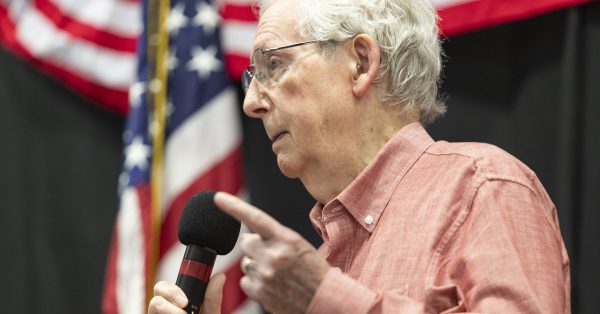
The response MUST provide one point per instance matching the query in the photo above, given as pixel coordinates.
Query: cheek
(300, 80)
(291, 87)
(308, 106)
(310, 129)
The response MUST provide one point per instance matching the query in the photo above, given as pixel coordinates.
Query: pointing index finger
(257, 220)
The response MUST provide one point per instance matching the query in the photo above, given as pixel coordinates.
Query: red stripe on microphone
(195, 269)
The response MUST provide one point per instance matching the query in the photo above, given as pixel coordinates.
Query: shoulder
(498, 185)
(488, 161)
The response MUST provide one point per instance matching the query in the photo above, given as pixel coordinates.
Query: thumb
(214, 295)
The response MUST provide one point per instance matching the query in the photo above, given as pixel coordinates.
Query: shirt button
(369, 219)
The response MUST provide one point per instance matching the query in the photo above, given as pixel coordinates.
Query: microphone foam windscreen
(203, 223)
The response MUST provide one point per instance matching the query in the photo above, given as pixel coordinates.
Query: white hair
(407, 35)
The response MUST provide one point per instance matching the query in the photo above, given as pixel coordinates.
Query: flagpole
(157, 52)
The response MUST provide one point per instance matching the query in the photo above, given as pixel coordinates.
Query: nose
(256, 104)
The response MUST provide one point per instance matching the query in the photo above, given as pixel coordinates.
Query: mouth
(277, 136)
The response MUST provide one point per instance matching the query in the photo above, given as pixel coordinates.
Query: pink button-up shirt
(438, 227)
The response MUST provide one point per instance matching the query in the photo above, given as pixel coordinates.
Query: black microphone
(207, 231)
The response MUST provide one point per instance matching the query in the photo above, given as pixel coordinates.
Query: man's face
(307, 113)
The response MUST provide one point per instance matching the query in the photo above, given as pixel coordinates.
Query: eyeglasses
(268, 68)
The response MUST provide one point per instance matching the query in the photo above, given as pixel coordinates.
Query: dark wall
(59, 164)
(532, 88)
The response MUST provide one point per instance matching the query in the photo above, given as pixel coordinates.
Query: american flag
(182, 136)
(88, 44)
(91, 46)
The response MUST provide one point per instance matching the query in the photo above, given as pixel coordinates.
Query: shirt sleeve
(338, 293)
(506, 257)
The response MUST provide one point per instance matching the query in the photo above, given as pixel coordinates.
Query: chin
(287, 168)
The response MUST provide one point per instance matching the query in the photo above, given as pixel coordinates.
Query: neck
(330, 178)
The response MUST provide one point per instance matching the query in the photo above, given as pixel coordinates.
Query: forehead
(277, 25)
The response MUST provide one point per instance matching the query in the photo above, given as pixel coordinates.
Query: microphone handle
(194, 273)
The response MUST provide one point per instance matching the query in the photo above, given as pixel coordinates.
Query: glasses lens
(247, 78)
(258, 65)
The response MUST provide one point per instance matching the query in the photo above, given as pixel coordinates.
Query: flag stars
(204, 61)
(137, 154)
(172, 61)
(136, 90)
(176, 19)
(207, 17)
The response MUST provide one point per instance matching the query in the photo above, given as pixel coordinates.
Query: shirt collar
(367, 196)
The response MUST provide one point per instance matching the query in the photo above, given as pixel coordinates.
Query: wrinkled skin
(285, 270)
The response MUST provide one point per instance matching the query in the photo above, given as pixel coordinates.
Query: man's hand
(170, 299)
(284, 270)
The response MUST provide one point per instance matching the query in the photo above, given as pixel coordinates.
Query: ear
(368, 57)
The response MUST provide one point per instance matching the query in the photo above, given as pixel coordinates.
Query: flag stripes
(460, 16)
(64, 46)
(229, 167)
(115, 37)
(97, 35)
(194, 108)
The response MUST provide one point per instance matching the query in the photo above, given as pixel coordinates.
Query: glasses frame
(249, 73)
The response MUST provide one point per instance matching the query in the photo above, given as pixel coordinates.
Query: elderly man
(409, 225)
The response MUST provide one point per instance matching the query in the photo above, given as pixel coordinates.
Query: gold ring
(245, 264)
